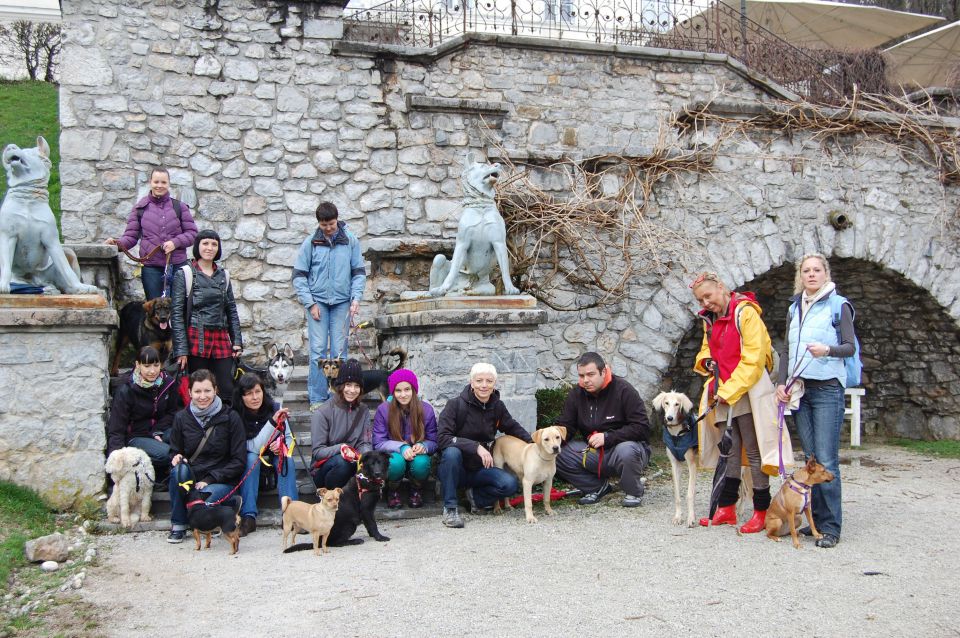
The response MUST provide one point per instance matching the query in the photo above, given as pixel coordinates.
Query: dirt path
(586, 571)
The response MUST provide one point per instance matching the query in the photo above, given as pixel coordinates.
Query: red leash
(277, 428)
(354, 327)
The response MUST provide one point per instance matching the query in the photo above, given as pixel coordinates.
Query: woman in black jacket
(209, 436)
(143, 408)
(205, 323)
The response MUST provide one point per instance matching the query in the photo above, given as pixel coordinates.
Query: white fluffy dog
(133, 478)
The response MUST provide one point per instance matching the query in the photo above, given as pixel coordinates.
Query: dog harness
(364, 481)
(686, 438)
(800, 488)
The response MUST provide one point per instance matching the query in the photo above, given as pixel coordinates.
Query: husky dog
(30, 248)
(481, 240)
(280, 367)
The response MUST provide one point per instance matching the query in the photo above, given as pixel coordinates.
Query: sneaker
(416, 499)
(631, 501)
(316, 406)
(176, 536)
(248, 525)
(593, 498)
(394, 502)
(451, 518)
(805, 530)
(828, 541)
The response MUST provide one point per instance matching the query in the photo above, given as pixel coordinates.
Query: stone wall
(261, 109)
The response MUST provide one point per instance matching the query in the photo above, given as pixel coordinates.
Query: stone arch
(910, 343)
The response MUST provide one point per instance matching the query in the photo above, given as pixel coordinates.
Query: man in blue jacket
(328, 276)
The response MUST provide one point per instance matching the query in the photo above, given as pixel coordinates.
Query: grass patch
(23, 515)
(27, 109)
(948, 449)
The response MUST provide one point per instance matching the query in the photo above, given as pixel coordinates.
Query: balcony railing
(688, 25)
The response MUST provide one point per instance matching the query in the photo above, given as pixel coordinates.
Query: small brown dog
(316, 519)
(532, 463)
(794, 498)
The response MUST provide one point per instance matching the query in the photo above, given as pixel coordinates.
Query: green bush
(550, 404)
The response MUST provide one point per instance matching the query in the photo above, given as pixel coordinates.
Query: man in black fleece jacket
(466, 430)
(609, 414)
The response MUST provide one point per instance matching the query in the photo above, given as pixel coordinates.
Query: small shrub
(550, 405)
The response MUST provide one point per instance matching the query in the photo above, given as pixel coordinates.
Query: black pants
(222, 369)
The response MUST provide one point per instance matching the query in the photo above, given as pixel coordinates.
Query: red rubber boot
(726, 515)
(756, 523)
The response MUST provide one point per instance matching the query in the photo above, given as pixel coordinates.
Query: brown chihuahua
(794, 498)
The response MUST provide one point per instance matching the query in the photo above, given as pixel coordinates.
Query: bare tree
(36, 44)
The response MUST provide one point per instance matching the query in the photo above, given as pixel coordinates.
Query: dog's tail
(401, 356)
(299, 547)
(284, 504)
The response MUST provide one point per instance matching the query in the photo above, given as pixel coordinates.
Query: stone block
(53, 547)
(85, 66)
(207, 65)
(290, 99)
(234, 69)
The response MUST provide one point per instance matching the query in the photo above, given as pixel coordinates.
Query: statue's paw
(437, 292)
(4, 289)
(511, 290)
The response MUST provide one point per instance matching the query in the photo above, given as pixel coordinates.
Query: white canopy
(32, 10)
(926, 60)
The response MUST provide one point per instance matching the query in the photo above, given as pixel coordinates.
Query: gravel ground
(592, 571)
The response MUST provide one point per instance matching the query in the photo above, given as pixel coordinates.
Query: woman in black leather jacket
(206, 326)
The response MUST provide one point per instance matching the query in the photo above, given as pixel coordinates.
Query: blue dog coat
(688, 438)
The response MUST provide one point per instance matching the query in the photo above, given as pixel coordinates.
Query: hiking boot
(631, 501)
(176, 536)
(451, 518)
(828, 541)
(416, 499)
(592, 498)
(248, 525)
(393, 501)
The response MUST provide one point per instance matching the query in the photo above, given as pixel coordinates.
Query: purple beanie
(401, 375)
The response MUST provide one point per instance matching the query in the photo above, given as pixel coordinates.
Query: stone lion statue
(30, 248)
(481, 240)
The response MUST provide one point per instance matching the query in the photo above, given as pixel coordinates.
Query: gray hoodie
(336, 423)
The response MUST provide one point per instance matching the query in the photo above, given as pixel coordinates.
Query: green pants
(418, 469)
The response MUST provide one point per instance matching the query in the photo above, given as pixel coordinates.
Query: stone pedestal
(446, 336)
(53, 393)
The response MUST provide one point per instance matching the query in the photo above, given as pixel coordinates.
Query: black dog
(144, 323)
(376, 379)
(204, 518)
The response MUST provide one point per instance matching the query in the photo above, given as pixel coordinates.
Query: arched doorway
(910, 348)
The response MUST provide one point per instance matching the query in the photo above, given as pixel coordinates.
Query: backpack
(177, 208)
(188, 283)
(852, 364)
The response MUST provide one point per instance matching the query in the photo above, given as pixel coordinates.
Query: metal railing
(689, 25)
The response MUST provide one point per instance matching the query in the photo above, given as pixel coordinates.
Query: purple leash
(781, 416)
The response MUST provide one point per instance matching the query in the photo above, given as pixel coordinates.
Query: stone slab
(415, 301)
(58, 319)
(464, 319)
(52, 301)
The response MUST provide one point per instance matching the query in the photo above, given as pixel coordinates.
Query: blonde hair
(706, 275)
(483, 368)
(798, 278)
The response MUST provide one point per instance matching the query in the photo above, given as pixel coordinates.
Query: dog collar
(195, 503)
(800, 488)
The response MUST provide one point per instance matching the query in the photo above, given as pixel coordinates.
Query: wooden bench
(854, 413)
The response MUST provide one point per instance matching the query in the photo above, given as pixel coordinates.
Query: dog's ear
(148, 306)
(686, 404)
(657, 402)
(43, 147)
(812, 462)
(321, 491)
(271, 351)
(562, 429)
(288, 351)
(338, 490)
(537, 436)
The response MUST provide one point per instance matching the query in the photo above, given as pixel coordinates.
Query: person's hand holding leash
(237, 351)
(354, 307)
(110, 241)
(596, 440)
(175, 461)
(169, 246)
(818, 349)
(182, 362)
(782, 395)
(275, 446)
(315, 312)
(485, 456)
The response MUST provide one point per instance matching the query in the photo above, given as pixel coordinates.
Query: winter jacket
(141, 412)
(741, 355)
(329, 271)
(466, 423)
(381, 429)
(158, 224)
(616, 411)
(333, 425)
(816, 325)
(223, 457)
(213, 307)
(258, 427)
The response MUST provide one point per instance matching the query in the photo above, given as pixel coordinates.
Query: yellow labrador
(532, 463)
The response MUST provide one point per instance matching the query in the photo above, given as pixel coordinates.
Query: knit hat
(401, 375)
(207, 234)
(350, 372)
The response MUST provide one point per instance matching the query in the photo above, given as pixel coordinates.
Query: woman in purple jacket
(158, 220)
(406, 427)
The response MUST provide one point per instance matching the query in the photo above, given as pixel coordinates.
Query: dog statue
(133, 477)
(481, 240)
(30, 248)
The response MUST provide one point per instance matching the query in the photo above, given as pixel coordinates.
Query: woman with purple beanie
(406, 427)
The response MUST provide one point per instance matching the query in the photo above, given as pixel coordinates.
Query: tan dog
(532, 463)
(794, 498)
(317, 519)
(676, 408)
(133, 478)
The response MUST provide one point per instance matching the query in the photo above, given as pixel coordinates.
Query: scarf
(146, 385)
(203, 416)
(808, 300)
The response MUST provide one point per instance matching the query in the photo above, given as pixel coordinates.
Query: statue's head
(27, 164)
(479, 178)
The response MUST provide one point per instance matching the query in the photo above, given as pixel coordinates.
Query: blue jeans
(286, 484)
(334, 473)
(178, 508)
(819, 419)
(488, 484)
(328, 340)
(152, 279)
(158, 451)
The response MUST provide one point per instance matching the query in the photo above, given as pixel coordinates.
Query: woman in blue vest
(816, 349)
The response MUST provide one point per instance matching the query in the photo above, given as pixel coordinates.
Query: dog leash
(782, 416)
(587, 451)
(354, 328)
